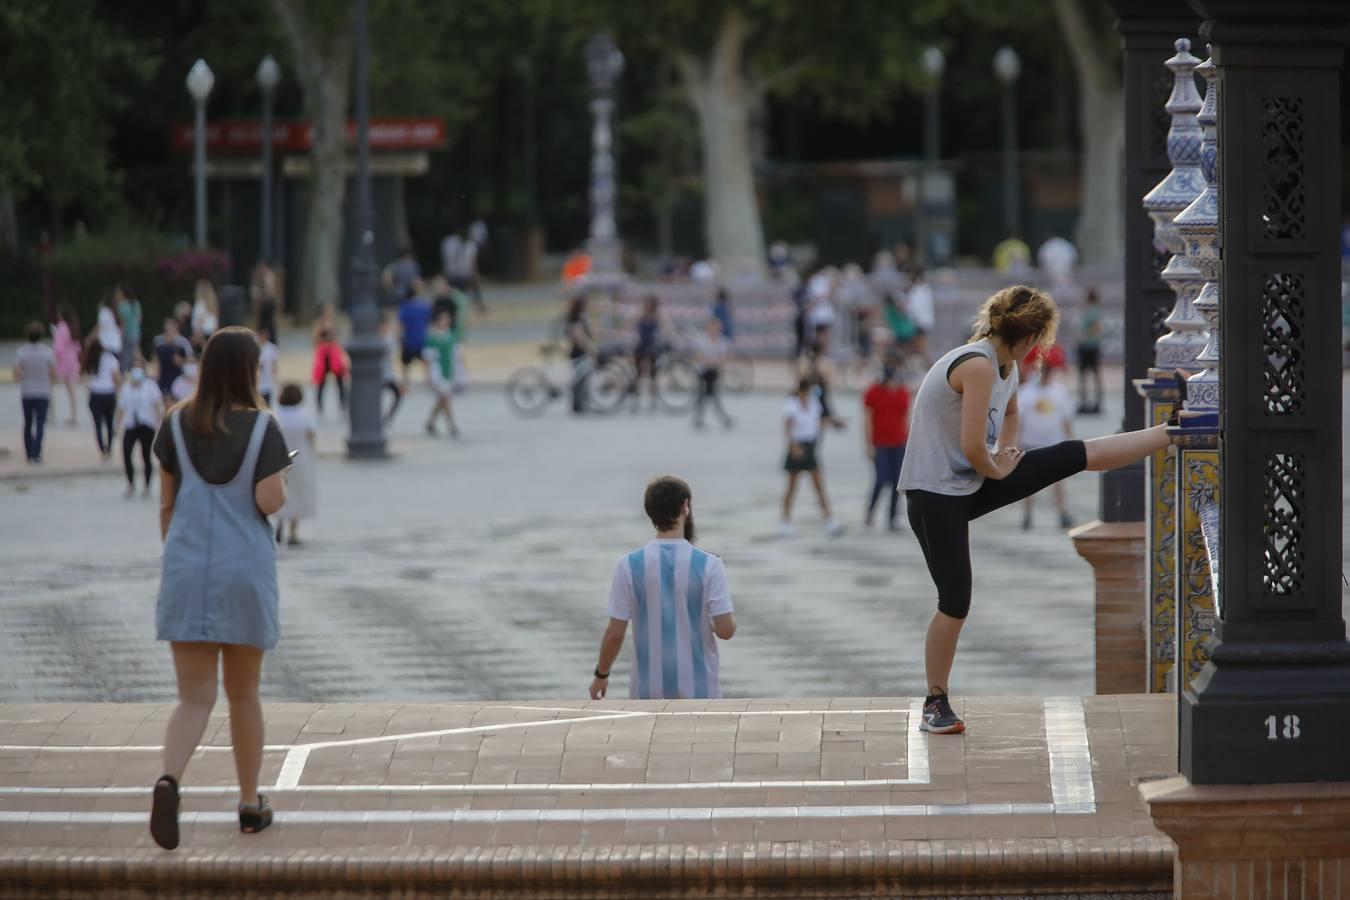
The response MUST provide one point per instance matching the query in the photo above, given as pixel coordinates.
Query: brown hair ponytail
(1017, 313)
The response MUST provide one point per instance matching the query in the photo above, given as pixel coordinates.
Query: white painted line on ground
(294, 764)
(1066, 739)
(569, 816)
(628, 713)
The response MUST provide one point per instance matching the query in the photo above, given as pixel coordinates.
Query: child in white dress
(302, 493)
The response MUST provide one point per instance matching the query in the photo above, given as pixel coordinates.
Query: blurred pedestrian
(1046, 418)
(222, 463)
(1057, 258)
(140, 407)
(886, 416)
(104, 372)
(1089, 354)
(414, 316)
(389, 379)
(399, 275)
(66, 337)
(721, 310)
(129, 314)
(440, 357)
(581, 351)
(268, 358)
(263, 294)
(677, 660)
(109, 329)
(185, 385)
(205, 313)
(650, 333)
(804, 418)
(330, 361)
(711, 349)
(461, 267)
(182, 313)
(34, 371)
(172, 352)
(922, 311)
(302, 485)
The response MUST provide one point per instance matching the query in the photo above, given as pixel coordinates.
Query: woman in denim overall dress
(223, 466)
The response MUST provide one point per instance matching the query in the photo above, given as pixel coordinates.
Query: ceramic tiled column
(1178, 348)
(1197, 451)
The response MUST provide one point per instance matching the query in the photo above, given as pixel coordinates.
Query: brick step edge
(755, 869)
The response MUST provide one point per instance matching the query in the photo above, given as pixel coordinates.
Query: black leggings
(145, 436)
(341, 386)
(941, 522)
(102, 407)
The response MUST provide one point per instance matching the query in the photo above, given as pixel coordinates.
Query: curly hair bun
(1016, 313)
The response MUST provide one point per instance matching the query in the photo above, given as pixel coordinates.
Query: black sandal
(164, 812)
(253, 819)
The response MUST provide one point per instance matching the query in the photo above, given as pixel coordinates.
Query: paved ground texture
(479, 569)
(1040, 789)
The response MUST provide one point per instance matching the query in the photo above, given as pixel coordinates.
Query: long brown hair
(228, 378)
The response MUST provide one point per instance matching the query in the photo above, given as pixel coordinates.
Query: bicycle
(530, 390)
(674, 374)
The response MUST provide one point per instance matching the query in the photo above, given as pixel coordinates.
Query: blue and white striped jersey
(670, 591)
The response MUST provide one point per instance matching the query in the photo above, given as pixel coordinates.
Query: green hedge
(84, 271)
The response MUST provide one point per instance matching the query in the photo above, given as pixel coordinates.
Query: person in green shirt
(439, 353)
(129, 314)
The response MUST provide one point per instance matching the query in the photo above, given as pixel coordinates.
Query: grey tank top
(933, 458)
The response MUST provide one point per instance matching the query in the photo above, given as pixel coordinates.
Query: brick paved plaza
(630, 797)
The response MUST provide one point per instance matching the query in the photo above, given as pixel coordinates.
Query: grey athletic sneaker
(938, 717)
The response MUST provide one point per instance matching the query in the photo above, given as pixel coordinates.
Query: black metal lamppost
(269, 76)
(200, 80)
(1007, 66)
(366, 439)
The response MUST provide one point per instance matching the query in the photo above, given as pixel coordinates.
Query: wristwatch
(599, 674)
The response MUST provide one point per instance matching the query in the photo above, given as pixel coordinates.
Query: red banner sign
(243, 137)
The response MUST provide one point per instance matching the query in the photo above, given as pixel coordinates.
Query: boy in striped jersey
(677, 598)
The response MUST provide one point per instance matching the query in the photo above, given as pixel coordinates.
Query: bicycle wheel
(677, 384)
(738, 375)
(529, 391)
(608, 388)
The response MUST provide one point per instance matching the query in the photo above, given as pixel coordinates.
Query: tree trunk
(722, 97)
(325, 77)
(1100, 233)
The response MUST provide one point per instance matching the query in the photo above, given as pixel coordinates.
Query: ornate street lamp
(269, 75)
(1007, 66)
(366, 440)
(604, 64)
(199, 84)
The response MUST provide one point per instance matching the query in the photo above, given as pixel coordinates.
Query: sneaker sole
(958, 728)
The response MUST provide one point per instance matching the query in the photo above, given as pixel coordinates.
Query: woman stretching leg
(961, 463)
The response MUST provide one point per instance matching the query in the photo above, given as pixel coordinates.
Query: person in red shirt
(886, 414)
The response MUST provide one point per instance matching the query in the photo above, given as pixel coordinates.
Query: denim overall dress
(219, 576)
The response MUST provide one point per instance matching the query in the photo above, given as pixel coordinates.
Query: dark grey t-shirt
(218, 458)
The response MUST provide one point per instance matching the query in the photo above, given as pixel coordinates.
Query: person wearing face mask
(677, 598)
(140, 406)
